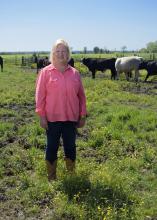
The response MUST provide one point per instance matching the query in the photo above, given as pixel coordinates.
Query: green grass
(116, 165)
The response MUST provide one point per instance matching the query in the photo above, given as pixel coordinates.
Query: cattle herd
(116, 65)
(121, 65)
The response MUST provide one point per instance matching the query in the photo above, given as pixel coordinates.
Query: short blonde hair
(58, 42)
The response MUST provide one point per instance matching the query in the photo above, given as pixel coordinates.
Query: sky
(35, 25)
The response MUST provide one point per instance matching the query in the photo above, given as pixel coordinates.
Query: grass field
(116, 170)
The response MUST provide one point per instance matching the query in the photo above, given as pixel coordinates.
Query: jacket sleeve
(40, 94)
(82, 100)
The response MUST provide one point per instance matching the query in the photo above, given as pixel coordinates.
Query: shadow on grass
(74, 185)
(80, 189)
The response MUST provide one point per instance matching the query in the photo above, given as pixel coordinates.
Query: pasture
(116, 164)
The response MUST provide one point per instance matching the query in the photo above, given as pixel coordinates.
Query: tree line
(151, 47)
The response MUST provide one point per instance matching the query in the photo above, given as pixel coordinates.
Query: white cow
(127, 64)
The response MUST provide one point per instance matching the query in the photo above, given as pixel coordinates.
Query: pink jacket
(60, 96)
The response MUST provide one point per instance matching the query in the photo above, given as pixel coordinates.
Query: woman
(61, 106)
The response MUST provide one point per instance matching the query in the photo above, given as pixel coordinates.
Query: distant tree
(123, 48)
(101, 51)
(85, 50)
(152, 47)
(96, 50)
(143, 50)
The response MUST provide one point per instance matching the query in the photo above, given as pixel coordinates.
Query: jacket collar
(52, 67)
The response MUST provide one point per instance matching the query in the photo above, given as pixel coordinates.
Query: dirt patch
(141, 88)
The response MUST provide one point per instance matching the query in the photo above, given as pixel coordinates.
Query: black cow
(150, 66)
(42, 62)
(100, 64)
(71, 62)
(1, 63)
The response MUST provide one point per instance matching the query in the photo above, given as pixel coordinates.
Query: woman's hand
(81, 122)
(43, 122)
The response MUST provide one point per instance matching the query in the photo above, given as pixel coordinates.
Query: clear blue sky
(34, 25)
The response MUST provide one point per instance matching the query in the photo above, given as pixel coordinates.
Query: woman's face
(61, 54)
